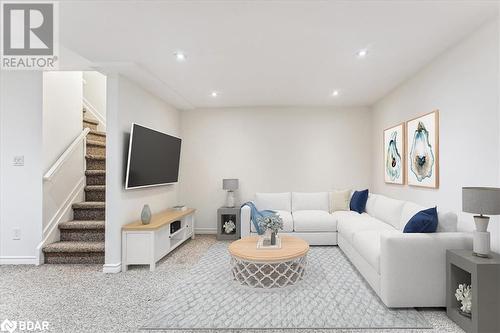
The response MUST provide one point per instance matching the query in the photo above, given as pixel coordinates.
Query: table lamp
(481, 200)
(230, 185)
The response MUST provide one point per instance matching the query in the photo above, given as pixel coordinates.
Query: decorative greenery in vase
(464, 295)
(274, 223)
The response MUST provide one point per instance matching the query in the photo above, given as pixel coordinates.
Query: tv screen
(153, 158)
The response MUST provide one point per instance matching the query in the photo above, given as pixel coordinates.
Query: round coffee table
(268, 268)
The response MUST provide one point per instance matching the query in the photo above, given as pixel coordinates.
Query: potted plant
(271, 224)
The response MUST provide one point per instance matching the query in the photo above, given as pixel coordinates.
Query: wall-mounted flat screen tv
(153, 158)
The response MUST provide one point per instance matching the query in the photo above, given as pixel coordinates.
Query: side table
(483, 274)
(228, 216)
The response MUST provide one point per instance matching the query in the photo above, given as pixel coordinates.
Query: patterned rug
(331, 295)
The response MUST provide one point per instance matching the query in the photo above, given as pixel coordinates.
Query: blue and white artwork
(423, 140)
(394, 155)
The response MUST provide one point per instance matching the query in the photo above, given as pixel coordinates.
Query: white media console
(145, 244)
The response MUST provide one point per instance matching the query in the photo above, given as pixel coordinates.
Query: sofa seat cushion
(274, 201)
(349, 225)
(287, 221)
(313, 221)
(344, 214)
(367, 243)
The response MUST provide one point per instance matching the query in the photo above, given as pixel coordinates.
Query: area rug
(331, 295)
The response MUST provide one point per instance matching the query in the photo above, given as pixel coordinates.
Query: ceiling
(257, 53)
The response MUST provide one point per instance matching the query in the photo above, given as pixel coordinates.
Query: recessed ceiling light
(214, 94)
(180, 56)
(335, 93)
(362, 53)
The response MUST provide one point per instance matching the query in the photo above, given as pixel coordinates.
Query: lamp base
(481, 255)
(481, 244)
(481, 222)
(230, 199)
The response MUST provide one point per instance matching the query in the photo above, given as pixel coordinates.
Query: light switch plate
(18, 160)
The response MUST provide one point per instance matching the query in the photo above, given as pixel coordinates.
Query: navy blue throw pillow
(358, 201)
(424, 221)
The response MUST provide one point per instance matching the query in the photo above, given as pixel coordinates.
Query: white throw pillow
(447, 222)
(339, 200)
(310, 201)
(273, 201)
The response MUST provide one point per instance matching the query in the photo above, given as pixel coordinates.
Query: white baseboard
(205, 231)
(112, 268)
(18, 260)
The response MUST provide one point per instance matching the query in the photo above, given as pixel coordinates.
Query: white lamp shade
(481, 200)
(230, 184)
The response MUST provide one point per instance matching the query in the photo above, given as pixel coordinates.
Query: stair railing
(67, 153)
(93, 110)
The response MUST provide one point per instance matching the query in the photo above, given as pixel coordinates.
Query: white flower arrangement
(229, 227)
(464, 296)
(272, 222)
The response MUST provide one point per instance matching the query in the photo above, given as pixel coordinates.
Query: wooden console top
(159, 220)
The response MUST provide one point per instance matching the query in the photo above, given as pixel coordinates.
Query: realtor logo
(24, 326)
(29, 38)
(8, 326)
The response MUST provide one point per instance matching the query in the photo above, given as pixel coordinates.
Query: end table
(228, 223)
(483, 274)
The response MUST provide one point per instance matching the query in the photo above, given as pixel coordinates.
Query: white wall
(270, 150)
(62, 113)
(463, 84)
(62, 123)
(20, 187)
(94, 91)
(128, 103)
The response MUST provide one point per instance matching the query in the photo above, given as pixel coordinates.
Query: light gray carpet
(80, 298)
(332, 294)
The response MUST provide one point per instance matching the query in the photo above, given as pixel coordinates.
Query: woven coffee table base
(267, 274)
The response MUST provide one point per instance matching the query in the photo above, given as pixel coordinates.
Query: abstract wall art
(423, 150)
(394, 154)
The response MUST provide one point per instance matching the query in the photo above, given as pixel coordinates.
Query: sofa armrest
(413, 267)
(245, 221)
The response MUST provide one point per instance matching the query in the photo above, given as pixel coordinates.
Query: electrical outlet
(16, 234)
(18, 160)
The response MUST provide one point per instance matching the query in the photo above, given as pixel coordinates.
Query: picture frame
(422, 154)
(394, 141)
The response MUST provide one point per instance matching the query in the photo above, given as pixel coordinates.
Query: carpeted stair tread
(99, 133)
(89, 205)
(82, 225)
(91, 121)
(96, 143)
(95, 157)
(74, 247)
(95, 172)
(95, 188)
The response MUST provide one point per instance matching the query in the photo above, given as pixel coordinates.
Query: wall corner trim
(112, 268)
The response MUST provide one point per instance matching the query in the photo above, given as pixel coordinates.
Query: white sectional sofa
(405, 270)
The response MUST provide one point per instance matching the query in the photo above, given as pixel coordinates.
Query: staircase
(82, 239)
